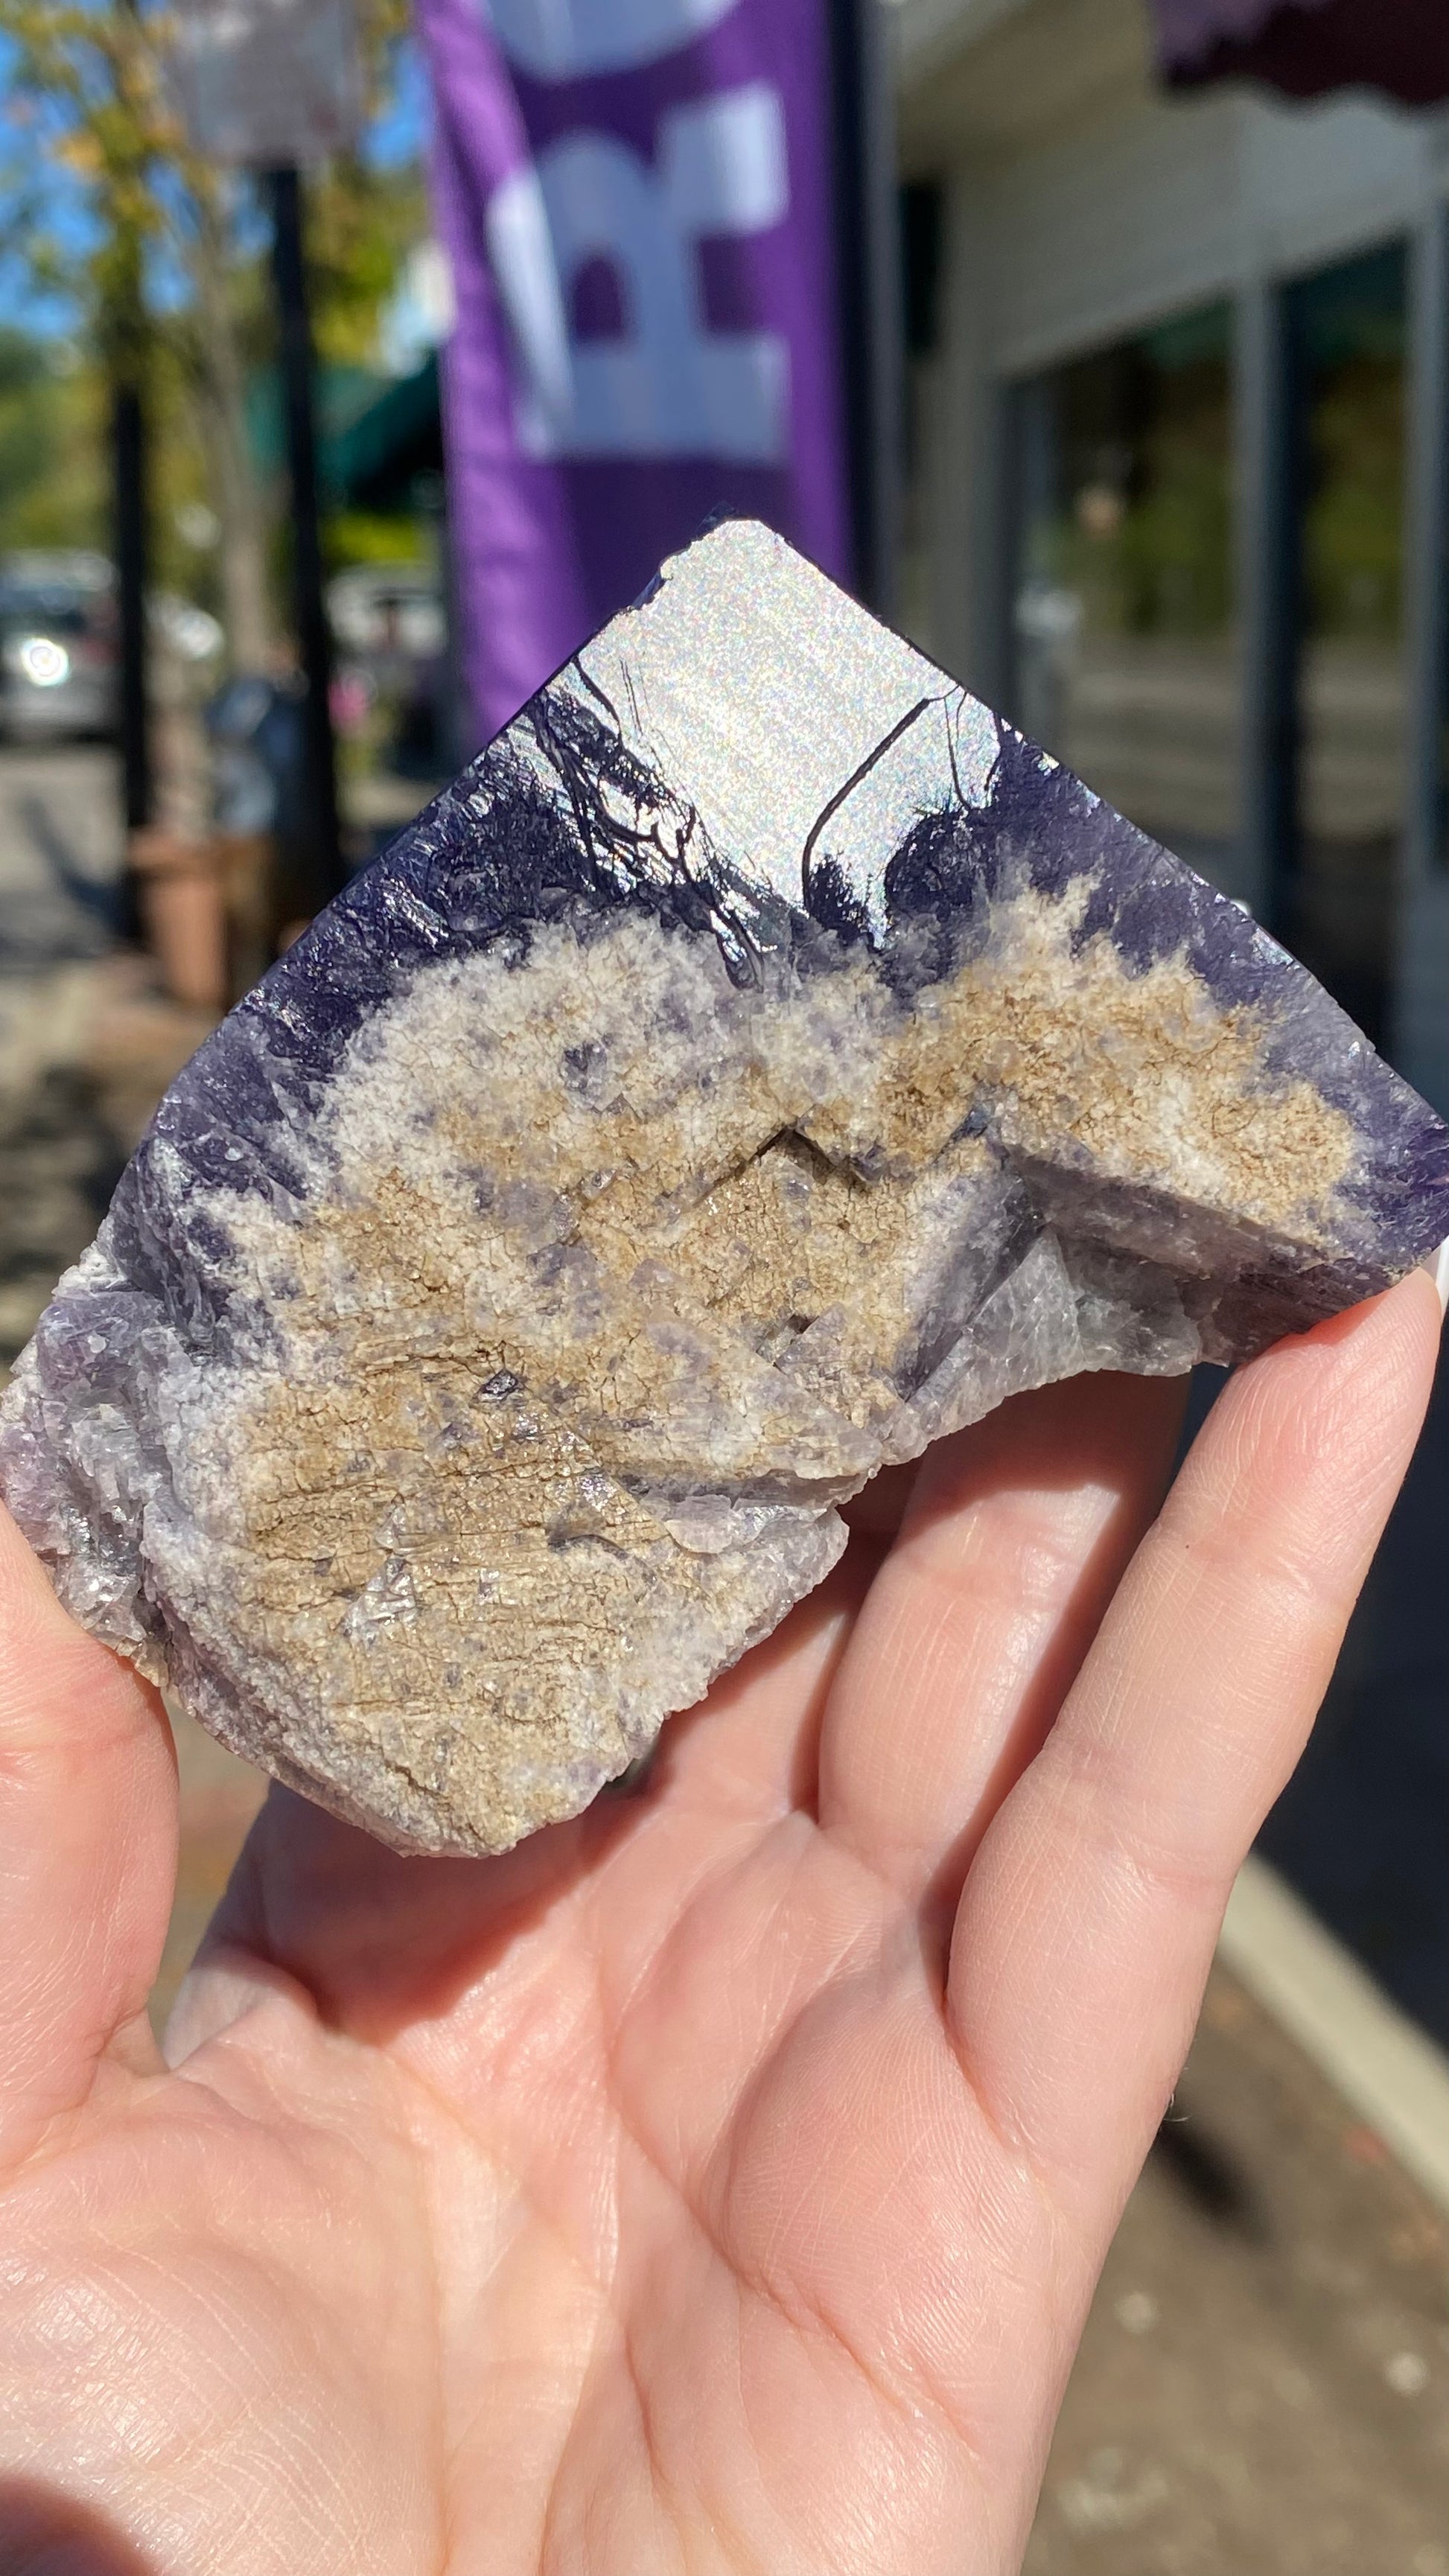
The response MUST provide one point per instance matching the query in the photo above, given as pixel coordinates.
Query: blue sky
(32, 182)
(401, 131)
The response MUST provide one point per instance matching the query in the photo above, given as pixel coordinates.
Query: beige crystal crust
(611, 1281)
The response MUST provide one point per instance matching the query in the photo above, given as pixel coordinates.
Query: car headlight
(38, 659)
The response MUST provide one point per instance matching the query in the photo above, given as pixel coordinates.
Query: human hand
(717, 2182)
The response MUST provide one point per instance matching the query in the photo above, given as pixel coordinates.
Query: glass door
(1351, 335)
(1124, 651)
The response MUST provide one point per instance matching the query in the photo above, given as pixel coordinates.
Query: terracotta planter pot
(246, 864)
(183, 915)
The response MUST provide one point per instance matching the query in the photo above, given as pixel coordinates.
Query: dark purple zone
(495, 855)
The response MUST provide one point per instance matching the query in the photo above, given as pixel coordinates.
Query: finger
(1087, 1925)
(1014, 1539)
(87, 1849)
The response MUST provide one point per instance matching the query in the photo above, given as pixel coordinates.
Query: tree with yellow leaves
(94, 82)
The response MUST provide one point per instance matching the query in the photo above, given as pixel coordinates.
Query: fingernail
(1437, 1266)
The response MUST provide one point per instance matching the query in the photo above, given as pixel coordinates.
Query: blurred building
(1179, 416)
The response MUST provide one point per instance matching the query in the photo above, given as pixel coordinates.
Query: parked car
(58, 647)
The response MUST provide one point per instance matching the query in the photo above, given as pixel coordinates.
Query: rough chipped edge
(1380, 2061)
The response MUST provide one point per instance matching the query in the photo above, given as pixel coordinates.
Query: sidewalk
(87, 1041)
(1263, 2389)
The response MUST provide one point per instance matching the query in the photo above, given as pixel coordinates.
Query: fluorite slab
(759, 1063)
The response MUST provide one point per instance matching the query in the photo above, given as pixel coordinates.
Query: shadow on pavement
(96, 897)
(61, 850)
(1209, 2178)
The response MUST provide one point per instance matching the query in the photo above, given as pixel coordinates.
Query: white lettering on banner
(565, 39)
(522, 256)
(666, 385)
(722, 163)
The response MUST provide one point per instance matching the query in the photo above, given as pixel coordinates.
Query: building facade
(1178, 491)
(1178, 455)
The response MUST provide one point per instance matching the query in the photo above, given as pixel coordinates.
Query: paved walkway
(59, 861)
(1263, 2389)
(60, 851)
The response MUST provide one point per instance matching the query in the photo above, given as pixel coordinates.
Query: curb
(1388, 2069)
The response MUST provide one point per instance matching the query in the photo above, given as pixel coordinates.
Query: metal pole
(997, 522)
(128, 433)
(1028, 486)
(458, 743)
(1269, 439)
(869, 289)
(314, 641)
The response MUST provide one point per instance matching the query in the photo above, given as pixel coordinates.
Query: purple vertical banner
(636, 196)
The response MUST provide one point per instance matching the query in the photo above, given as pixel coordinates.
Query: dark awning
(375, 461)
(1308, 46)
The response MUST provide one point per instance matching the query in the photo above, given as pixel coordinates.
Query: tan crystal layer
(611, 1281)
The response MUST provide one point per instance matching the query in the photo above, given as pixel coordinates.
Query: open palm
(717, 2183)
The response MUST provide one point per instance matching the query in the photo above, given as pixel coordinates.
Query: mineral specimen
(760, 1062)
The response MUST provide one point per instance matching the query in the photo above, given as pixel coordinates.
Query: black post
(868, 264)
(314, 642)
(1271, 426)
(128, 432)
(457, 743)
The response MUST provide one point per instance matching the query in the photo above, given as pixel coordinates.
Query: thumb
(87, 1849)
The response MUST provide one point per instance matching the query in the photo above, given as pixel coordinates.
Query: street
(59, 851)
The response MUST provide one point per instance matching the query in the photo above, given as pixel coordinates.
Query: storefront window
(1351, 333)
(1125, 658)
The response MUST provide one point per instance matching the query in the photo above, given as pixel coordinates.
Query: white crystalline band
(761, 723)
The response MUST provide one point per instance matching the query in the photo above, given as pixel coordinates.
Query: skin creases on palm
(716, 2183)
